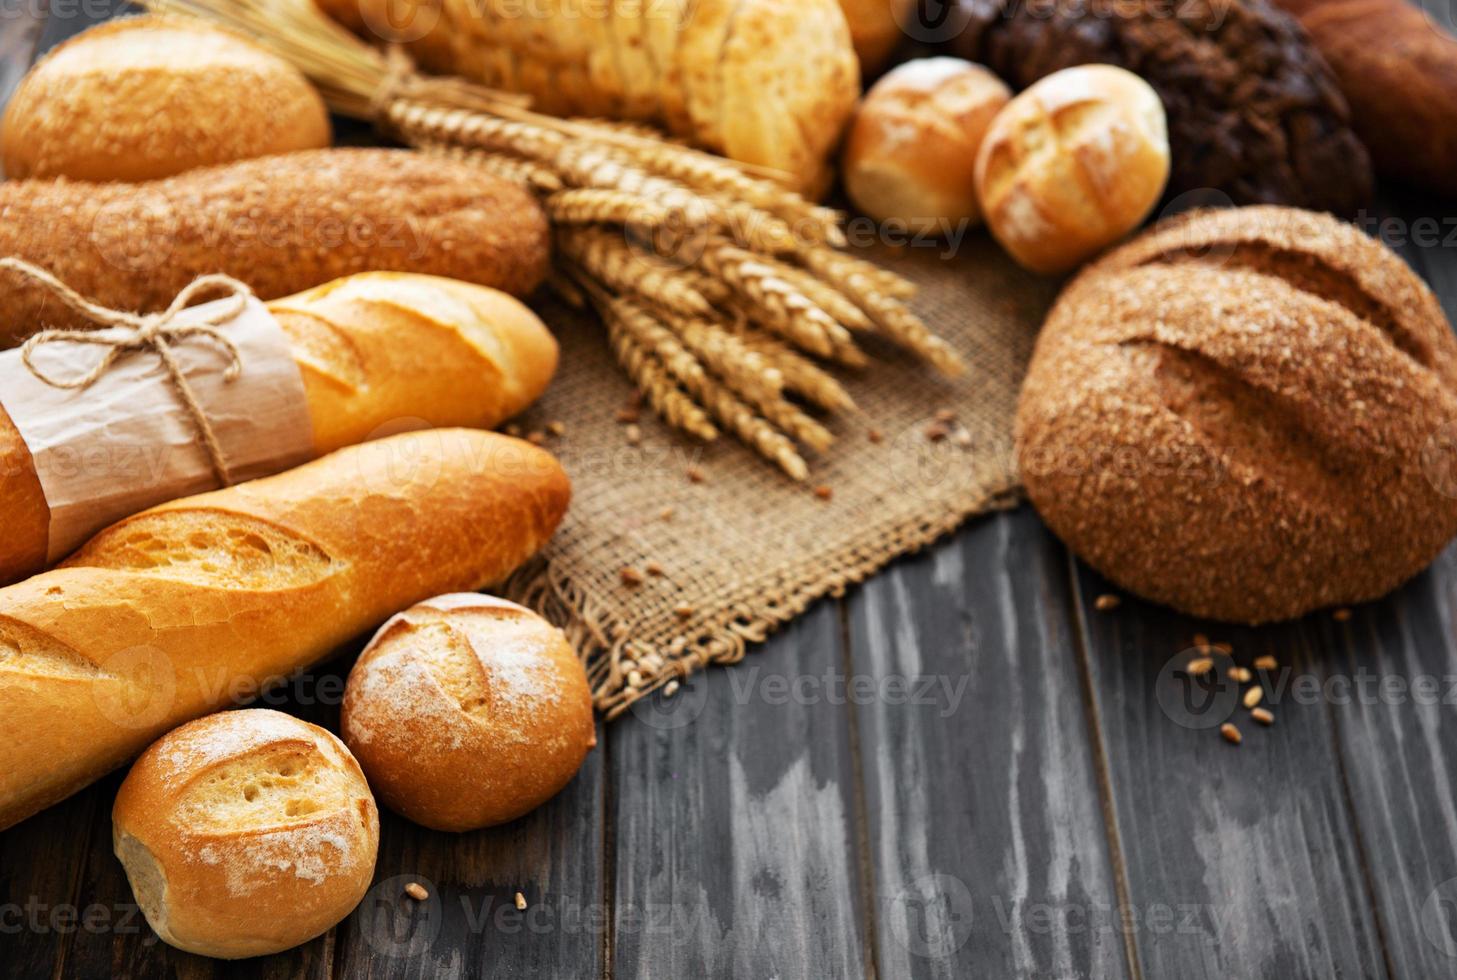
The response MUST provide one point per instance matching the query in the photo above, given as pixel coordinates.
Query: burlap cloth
(747, 549)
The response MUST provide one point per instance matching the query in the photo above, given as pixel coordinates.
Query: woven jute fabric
(745, 549)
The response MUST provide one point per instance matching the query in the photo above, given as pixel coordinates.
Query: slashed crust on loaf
(241, 812)
(468, 684)
(1234, 415)
(184, 607)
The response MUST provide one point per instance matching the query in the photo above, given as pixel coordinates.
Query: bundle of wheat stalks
(723, 293)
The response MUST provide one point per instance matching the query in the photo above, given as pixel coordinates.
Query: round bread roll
(1073, 164)
(911, 152)
(245, 833)
(148, 97)
(1246, 415)
(467, 711)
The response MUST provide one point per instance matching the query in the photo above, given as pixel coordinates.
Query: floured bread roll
(468, 711)
(245, 833)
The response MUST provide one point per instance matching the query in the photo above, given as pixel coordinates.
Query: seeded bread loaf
(171, 614)
(468, 684)
(376, 350)
(147, 97)
(1246, 415)
(245, 833)
(280, 224)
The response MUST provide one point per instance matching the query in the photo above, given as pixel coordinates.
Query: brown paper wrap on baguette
(181, 609)
(375, 350)
(280, 224)
(769, 82)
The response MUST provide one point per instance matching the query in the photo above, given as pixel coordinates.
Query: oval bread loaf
(379, 351)
(467, 711)
(1246, 415)
(280, 224)
(173, 613)
(769, 82)
(147, 97)
(245, 833)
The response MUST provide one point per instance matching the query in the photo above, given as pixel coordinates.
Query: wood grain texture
(735, 844)
(987, 835)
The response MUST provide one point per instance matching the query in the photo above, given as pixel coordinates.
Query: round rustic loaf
(245, 833)
(468, 711)
(1071, 165)
(148, 97)
(911, 152)
(1244, 414)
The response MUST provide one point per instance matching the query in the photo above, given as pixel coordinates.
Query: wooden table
(961, 769)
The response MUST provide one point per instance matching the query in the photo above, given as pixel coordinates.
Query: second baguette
(184, 608)
(377, 351)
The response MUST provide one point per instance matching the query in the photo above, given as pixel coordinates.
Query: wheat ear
(607, 257)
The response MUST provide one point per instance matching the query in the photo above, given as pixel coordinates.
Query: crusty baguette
(377, 351)
(770, 82)
(281, 224)
(146, 97)
(177, 611)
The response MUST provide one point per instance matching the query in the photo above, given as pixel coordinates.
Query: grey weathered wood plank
(1251, 851)
(470, 926)
(735, 839)
(989, 847)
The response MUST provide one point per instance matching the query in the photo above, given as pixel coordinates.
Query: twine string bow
(125, 333)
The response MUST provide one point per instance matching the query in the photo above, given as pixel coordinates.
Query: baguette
(281, 224)
(182, 609)
(147, 97)
(375, 349)
(768, 82)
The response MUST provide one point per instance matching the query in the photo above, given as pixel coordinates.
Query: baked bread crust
(141, 98)
(1245, 415)
(467, 711)
(246, 833)
(280, 224)
(379, 353)
(173, 613)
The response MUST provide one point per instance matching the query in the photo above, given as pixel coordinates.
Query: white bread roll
(173, 613)
(467, 711)
(911, 152)
(1073, 164)
(245, 833)
(148, 97)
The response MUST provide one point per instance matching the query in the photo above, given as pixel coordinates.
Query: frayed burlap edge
(621, 670)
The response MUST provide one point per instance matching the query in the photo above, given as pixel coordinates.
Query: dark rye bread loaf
(1246, 415)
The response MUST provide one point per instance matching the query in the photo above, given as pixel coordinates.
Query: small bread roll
(149, 97)
(1072, 165)
(467, 711)
(245, 833)
(911, 153)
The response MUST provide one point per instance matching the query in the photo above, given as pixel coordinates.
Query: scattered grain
(696, 475)
(631, 576)
(824, 492)
(1107, 602)
(416, 891)
(1263, 716)
(1240, 675)
(666, 514)
(1253, 696)
(634, 435)
(937, 431)
(683, 611)
(1231, 734)
(655, 569)
(875, 436)
(557, 428)
(1266, 662)
(671, 689)
(1341, 615)
(1199, 666)
(520, 902)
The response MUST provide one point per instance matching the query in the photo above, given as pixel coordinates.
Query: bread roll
(467, 711)
(148, 97)
(911, 152)
(1071, 165)
(1398, 70)
(171, 614)
(769, 82)
(875, 29)
(245, 833)
(375, 350)
(280, 224)
(1246, 415)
